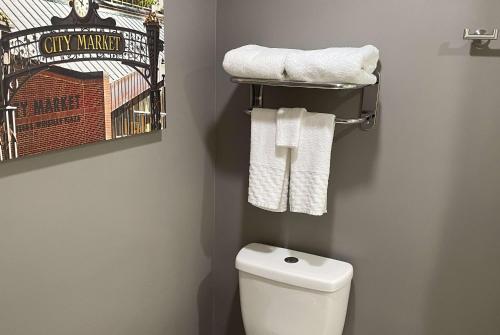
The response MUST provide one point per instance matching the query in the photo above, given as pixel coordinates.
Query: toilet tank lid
(294, 267)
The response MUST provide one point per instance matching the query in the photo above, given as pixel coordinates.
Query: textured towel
(310, 164)
(253, 61)
(288, 127)
(334, 65)
(269, 164)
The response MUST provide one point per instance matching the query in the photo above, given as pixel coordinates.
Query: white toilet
(286, 292)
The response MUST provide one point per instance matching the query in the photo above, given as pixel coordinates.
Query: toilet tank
(286, 292)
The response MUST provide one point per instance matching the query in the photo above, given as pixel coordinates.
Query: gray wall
(413, 204)
(115, 238)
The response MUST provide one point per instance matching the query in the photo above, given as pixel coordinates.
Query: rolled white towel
(334, 65)
(254, 61)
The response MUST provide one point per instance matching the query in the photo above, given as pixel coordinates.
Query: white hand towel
(310, 164)
(288, 131)
(254, 61)
(269, 164)
(334, 65)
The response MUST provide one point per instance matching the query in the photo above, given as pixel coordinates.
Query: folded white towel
(269, 164)
(253, 61)
(334, 65)
(310, 164)
(288, 131)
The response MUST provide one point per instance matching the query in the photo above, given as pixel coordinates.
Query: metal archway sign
(75, 39)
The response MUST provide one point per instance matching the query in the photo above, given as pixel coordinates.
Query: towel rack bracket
(370, 105)
(256, 96)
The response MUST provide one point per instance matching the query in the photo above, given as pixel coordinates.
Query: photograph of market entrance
(78, 72)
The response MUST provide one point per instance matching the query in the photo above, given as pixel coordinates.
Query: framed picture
(77, 72)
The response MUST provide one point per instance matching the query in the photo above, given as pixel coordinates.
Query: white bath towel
(254, 61)
(310, 164)
(288, 127)
(334, 65)
(269, 164)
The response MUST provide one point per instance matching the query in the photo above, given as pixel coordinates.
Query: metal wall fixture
(369, 96)
(481, 36)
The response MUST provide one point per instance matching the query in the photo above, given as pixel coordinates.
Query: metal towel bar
(370, 97)
(339, 120)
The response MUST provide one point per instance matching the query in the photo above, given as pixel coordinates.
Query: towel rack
(369, 96)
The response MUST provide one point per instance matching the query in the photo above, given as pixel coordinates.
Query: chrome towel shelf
(369, 106)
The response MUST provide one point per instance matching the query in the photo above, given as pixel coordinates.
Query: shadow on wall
(35, 162)
(200, 113)
(205, 289)
(290, 230)
(474, 49)
(204, 300)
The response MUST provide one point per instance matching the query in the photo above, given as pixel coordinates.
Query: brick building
(59, 108)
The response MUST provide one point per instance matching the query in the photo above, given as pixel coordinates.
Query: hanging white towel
(310, 164)
(334, 65)
(254, 61)
(288, 127)
(269, 164)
